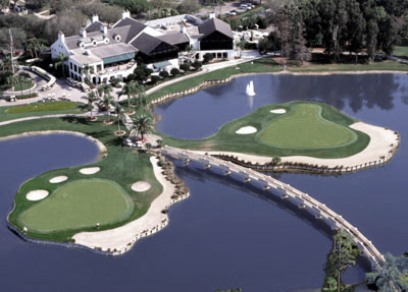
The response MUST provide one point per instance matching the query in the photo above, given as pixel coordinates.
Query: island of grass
(307, 132)
(60, 204)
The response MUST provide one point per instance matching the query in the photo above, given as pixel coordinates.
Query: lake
(225, 235)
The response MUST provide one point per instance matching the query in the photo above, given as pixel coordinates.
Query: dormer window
(117, 37)
(81, 45)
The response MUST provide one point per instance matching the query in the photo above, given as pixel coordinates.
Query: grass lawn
(39, 109)
(122, 165)
(309, 129)
(400, 51)
(23, 85)
(263, 65)
(387, 65)
(79, 204)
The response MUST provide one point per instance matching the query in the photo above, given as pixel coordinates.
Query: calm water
(225, 235)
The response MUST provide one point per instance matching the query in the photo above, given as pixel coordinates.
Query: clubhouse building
(100, 53)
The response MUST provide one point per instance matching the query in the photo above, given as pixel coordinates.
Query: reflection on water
(188, 117)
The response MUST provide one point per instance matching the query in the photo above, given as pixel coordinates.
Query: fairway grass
(306, 129)
(79, 204)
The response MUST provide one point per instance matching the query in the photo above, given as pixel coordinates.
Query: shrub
(197, 64)
(131, 77)
(164, 74)
(175, 71)
(25, 96)
(154, 79)
(207, 58)
(185, 67)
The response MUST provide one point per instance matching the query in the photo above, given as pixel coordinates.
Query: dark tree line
(340, 26)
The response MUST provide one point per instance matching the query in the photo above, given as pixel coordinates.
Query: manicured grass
(122, 165)
(39, 109)
(387, 65)
(23, 85)
(42, 107)
(345, 143)
(79, 204)
(304, 128)
(400, 51)
(263, 65)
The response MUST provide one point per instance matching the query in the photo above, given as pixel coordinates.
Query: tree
(87, 71)
(4, 4)
(133, 90)
(118, 112)
(143, 125)
(188, 7)
(19, 37)
(60, 62)
(105, 92)
(34, 46)
(356, 28)
(135, 7)
(343, 254)
(92, 96)
(390, 278)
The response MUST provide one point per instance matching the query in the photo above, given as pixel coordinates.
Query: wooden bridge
(284, 191)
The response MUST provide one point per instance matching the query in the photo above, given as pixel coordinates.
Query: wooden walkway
(284, 191)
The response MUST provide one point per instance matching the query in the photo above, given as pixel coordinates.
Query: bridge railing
(365, 245)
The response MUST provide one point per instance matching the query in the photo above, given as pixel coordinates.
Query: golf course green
(79, 204)
(303, 127)
(296, 128)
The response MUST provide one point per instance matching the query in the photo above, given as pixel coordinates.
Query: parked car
(232, 12)
(245, 6)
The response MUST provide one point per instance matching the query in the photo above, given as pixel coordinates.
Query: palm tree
(118, 111)
(143, 125)
(129, 90)
(105, 92)
(34, 46)
(92, 96)
(87, 71)
(60, 61)
(6, 64)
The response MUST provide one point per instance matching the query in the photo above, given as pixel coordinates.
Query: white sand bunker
(141, 186)
(278, 111)
(58, 179)
(36, 195)
(246, 130)
(90, 170)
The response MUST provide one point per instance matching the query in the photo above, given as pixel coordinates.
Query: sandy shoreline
(382, 145)
(119, 240)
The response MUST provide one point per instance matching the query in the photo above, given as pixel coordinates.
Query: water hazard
(225, 235)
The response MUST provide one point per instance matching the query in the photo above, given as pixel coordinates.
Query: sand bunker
(141, 186)
(36, 195)
(278, 111)
(246, 130)
(58, 179)
(90, 170)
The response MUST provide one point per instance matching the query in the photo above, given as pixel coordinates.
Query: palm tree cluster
(143, 124)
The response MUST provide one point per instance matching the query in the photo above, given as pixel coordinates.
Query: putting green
(79, 204)
(303, 127)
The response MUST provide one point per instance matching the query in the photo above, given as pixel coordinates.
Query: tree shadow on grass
(76, 120)
(117, 141)
(100, 134)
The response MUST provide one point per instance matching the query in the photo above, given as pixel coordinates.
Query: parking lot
(223, 9)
